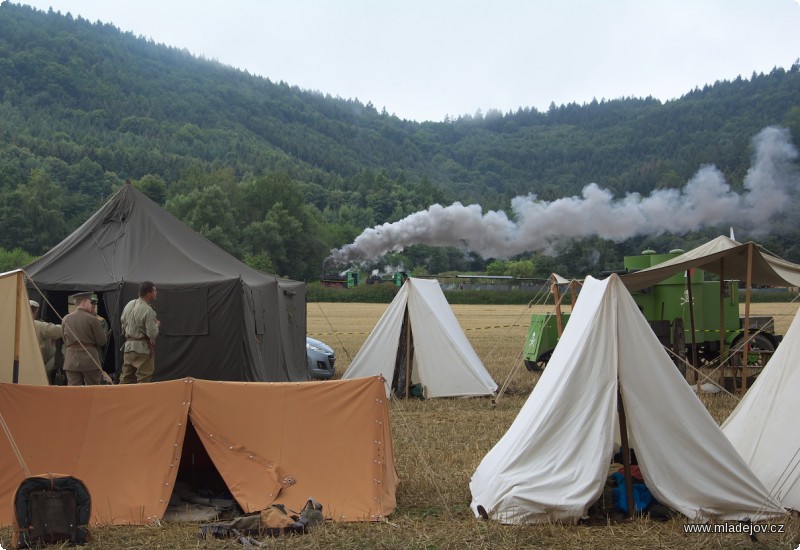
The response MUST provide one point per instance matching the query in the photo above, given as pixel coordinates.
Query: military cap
(34, 303)
(81, 296)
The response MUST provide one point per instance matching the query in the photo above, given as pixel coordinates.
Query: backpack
(273, 521)
(51, 509)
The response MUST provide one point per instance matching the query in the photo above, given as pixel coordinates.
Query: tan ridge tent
(419, 334)
(270, 443)
(553, 461)
(20, 349)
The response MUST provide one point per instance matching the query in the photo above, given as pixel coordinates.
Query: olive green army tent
(220, 319)
(20, 358)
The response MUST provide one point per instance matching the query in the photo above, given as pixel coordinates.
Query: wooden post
(408, 354)
(625, 451)
(746, 350)
(722, 321)
(557, 299)
(574, 287)
(691, 324)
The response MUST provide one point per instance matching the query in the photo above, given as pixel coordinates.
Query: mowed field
(438, 445)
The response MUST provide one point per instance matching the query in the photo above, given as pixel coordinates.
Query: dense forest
(280, 176)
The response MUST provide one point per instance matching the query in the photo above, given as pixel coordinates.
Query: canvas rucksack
(51, 509)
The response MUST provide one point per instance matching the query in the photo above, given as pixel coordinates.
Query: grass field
(438, 445)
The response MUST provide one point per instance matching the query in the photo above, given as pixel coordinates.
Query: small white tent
(20, 358)
(764, 427)
(552, 463)
(442, 360)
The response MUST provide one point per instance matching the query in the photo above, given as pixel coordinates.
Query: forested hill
(279, 176)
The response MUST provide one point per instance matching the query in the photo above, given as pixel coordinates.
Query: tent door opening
(406, 381)
(200, 492)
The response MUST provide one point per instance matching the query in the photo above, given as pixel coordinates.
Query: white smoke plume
(707, 200)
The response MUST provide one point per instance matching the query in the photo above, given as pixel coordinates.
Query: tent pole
(691, 324)
(17, 335)
(557, 299)
(574, 287)
(408, 354)
(625, 450)
(721, 320)
(746, 350)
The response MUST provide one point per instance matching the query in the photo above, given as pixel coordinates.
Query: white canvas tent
(20, 349)
(443, 360)
(742, 261)
(552, 463)
(764, 427)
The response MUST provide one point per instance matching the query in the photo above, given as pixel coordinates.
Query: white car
(321, 359)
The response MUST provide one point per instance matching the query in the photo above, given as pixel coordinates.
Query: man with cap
(46, 334)
(140, 328)
(83, 335)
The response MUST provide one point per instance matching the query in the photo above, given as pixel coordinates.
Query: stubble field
(439, 443)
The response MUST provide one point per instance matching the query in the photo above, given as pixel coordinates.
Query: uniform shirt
(138, 321)
(45, 334)
(82, 330)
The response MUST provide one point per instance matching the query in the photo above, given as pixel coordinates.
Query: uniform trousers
(137, 368)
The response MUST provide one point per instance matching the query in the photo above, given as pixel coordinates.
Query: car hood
(319, 344)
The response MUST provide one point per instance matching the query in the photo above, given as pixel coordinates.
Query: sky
(430, 59)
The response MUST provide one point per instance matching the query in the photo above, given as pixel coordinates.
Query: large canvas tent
(419, 333)
(748, 262)
(220, 319)
(552, 463)
(734, 260)
(20, 358)
(270, 443)
(764, 426)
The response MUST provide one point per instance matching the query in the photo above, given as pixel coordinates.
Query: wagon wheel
(759, 343)
(679, 345)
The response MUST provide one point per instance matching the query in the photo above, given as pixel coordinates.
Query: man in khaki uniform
(46, 334)
(140, 328)
(83, 335)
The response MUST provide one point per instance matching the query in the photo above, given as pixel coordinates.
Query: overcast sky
(425, 59)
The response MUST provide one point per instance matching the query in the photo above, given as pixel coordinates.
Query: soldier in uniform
(83, 335)
(46, 334)
(140, 328)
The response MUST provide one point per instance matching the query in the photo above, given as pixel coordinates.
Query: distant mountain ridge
(90, 106)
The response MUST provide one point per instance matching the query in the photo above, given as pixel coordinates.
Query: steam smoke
(707, 200)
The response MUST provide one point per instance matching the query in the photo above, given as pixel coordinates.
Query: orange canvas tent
(270, 443)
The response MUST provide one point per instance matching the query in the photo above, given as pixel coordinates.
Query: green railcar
(665, 305)
(348, 279)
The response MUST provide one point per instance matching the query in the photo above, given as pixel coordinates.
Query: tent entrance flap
(404, 373)
(197, 471)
